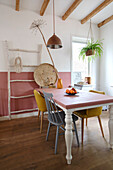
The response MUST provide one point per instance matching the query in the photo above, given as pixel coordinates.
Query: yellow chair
(41, 106)
(90, 113)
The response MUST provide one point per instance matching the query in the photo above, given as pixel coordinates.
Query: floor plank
(22, 147)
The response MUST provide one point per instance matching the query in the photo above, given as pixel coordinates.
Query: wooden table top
(82, 99)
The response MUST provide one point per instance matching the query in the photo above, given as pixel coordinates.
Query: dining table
(80, 101)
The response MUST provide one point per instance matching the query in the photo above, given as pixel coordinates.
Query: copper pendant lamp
(54, 42)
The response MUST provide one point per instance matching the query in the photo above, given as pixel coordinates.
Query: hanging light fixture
(54, 42)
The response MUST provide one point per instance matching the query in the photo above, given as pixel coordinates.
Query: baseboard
(19, 116)
(4, 118)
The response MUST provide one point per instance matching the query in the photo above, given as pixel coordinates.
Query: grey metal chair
(78, 86)
(57, 118)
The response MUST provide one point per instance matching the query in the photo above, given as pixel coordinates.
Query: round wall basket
(45, 75)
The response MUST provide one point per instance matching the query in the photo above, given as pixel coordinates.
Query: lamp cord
(53, 17)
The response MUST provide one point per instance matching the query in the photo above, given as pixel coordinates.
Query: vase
(59, 84)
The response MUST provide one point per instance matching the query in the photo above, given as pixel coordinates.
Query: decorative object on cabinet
(88, 80)
(84, 87)
(78, 86)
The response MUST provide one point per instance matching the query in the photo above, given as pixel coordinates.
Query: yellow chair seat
(81, 113)
(89, 112)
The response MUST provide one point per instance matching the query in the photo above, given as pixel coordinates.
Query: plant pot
(90, 52)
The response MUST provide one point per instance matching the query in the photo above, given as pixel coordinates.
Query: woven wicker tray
(45, 75)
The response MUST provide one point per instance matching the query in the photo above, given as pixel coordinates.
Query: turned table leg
(68, 136)
(110, 124)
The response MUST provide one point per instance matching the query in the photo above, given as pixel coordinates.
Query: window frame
(83, 41)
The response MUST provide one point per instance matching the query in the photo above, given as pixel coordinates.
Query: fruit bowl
(71, 91)
(71, 94)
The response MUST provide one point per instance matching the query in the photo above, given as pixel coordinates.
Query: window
(80, 68)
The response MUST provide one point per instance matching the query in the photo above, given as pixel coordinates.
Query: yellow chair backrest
(40, 101)
(95, 111)
(95, 91)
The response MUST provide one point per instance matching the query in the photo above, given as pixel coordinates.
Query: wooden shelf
(26, 110)
(23, 50)
(20, 97)
(24, 65)
(21, 81)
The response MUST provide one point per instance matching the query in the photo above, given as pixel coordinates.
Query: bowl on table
(71, 91)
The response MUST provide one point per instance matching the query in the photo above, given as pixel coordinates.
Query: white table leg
(110, 124)
(68, 136)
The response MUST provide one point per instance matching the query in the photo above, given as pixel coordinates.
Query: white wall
(106, 62)
(14, 27)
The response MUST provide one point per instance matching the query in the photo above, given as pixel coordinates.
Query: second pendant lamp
(54, 42)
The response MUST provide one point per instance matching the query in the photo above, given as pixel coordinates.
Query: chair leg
(48, 131)
(76, 133)
(57, 133)
(101, 126)
(82, 130)
(38, 113)
(41, 122)
(86, 121)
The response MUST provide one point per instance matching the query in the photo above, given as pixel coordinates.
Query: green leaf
(97, 47)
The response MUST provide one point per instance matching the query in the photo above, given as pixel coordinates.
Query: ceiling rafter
(71, 9)
(44, 6)
(95, 11)
(105, 21)
(17, 5)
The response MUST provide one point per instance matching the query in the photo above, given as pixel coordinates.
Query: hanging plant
(92, 50)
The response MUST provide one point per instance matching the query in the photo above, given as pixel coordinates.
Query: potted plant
(92, 50)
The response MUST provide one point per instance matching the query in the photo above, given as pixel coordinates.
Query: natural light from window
(79, 67)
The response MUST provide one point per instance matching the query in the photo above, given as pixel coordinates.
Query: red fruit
(73, 89)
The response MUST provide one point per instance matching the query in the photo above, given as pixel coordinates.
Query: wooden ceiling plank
(105, 21)
(44, 6)
(71, 9)
(95, 11)
(17, 5)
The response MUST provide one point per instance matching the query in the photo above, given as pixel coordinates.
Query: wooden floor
(22, 147)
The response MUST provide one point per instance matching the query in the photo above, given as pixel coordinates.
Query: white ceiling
(85, 7)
